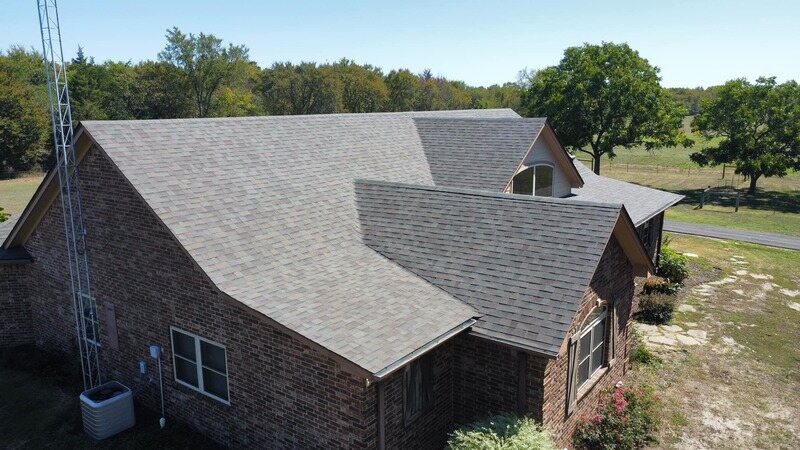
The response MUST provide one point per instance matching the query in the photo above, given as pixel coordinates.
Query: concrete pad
(686, 308)
(672, 328)
(691, 255)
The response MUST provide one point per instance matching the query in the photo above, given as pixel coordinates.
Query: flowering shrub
(501, 432)
(625, 419)
(658, 285)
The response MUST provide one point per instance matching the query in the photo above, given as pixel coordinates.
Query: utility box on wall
(107, 410)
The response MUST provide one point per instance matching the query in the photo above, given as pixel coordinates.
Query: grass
(40, 409)
(774, 208)
(739, 389)
(16, 192)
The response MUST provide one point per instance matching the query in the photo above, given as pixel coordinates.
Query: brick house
(342, 281)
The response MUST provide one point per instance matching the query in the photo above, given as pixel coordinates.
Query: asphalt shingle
(642, 203)
(523, 262)
(266, 207)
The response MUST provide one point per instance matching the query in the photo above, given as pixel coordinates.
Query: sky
(694, 43)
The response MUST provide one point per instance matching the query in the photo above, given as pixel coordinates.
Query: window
(200, 364)
(523, 182)
(418, 387)
(591, 347)
(537, 180)
(646, 235)
(544, 181)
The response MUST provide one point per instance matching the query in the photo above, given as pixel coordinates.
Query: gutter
(391, 368)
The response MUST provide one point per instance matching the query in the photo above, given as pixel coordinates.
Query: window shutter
(612, 335)
(572, 373)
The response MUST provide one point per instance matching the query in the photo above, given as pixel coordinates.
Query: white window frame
(199, 363)
(533, 183)
(592, 347)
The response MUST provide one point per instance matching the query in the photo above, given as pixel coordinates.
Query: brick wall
(652, 245)
(15, 311)
(284, 392)
(486, 379)
(429, 430)
(613, 280)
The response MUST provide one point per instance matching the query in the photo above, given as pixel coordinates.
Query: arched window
(536, 180)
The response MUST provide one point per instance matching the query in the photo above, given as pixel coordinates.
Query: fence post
(723, 171)
(703, 197)
(737, 201)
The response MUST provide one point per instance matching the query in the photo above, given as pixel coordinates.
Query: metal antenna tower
(85, 309)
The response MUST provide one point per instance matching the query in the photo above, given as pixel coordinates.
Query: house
(341, 281)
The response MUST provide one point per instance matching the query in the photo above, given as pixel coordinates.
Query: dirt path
(731, 371)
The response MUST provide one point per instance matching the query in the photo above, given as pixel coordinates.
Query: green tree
(23, 124)
(24, 109)
(402, 86)
(298, 89)
(601, 97)
(160, 89)
(206, 63)
(361, 88)
(760, 128)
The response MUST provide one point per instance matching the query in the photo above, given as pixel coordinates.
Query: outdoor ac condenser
(107, 410)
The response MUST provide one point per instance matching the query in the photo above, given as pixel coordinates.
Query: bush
(672, 265)
(641, 354)
(625, 419)
(656, 309)
(658, 285)
(3, 215)
(501, 432)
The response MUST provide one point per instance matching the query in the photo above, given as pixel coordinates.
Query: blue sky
(695, 43)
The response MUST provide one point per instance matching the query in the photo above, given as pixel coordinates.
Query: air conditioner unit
(107, 409)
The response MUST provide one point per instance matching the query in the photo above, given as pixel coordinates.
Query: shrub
(501, 432)
(3, 215)
(656, 309)
(641, 354)
(672, 265)
(658, 285)
(625, 419)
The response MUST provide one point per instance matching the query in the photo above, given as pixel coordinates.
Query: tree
(361, 88)
(298, 89)
(402, 85)
(23, 124)
(759, 125)
(160, 89)
(205, 62)
(601, 97)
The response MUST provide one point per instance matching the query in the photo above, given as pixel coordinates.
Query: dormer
(546, 170)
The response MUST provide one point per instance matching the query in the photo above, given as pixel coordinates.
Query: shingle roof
(266, 207)
(7, 226)
(641, 202)
(523, 262)
(476, 153)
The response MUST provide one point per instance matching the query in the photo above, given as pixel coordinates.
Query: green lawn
(15, 193)
(774, 208)
(39, 408)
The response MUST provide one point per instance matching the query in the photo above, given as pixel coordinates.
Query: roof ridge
(296, 116)
(493, 194)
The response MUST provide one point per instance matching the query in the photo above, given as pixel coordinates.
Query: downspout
(381, 416)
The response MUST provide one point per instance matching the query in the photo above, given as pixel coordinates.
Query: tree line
(600, 98)
(198, 76)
